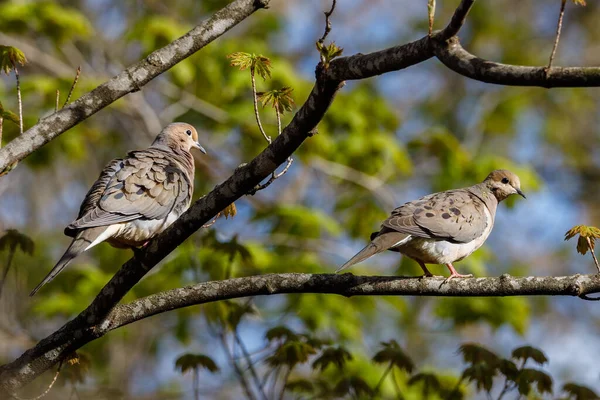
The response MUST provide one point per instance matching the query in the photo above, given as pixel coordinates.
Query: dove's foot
(454, 273)
(428, 273)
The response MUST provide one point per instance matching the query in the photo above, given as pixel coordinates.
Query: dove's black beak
(520, 193)
(199, 147)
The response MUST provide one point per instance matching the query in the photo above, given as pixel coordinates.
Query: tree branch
(98, 318)
(346, 285)
(130, 80)
(455, 57)
(349, 285)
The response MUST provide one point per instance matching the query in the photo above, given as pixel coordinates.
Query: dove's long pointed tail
(80, 244)
(379, 242)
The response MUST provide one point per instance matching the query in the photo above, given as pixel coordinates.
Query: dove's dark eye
(504, 180)
(189, 132)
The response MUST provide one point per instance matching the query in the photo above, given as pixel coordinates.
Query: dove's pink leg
(455, 274)
(422, 264)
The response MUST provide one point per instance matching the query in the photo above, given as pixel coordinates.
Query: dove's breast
(437, 251)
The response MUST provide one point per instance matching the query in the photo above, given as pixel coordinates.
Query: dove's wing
(147, 184)
(455, 215)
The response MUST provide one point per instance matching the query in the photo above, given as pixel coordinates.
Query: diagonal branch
(130, 80)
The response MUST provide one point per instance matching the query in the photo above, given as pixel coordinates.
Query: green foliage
(194, 362)
(328, 52)
(587, 237)
(46, 18)
(495, 311)
(14, 239)
(280, 99)
(578, 392)
(255, 62)
(9, 58)
(337, 356)
(393, 354)
(525, 353)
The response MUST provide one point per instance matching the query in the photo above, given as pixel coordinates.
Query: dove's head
(503, 183)
(179, 136)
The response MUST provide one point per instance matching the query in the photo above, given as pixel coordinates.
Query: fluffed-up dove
(136, 197)
(443, 227)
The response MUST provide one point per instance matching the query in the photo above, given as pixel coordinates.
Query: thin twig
(255, 100)
(248, 359)
(14, 395)
(73, 86)
(430, 14)
(57, 98)
(235, 366)
(196, 384)
(385, 374)
(1, 125)
(211, 223)
(290, 160)
(558, 29)
(327, 22)
(19, 99)
(11, 254)
(591, 246)
(285, 379)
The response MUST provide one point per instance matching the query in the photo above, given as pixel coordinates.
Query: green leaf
(393, 354)
(9, 57)
(527, 352)
(337, 356)
(585, 232)
(508, 369)
(529, 376)
(192, 362)
(280, 99)
(300, 386)
(291, 353)
(355, 386)
(280, 333)
(13, 239)
(476, 354)
(578, 392)
(255, 62)
(329, 52)
(482, 374)
(430, 383)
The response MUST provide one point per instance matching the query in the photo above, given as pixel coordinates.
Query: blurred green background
(385, 140)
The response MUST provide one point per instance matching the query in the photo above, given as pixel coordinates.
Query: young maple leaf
(10, 57)
(586, 241)
(258, 63)
(280, 99)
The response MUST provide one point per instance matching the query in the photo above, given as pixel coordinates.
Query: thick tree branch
(349, 285)
(455, 57)
(128, 81)
(346, 285)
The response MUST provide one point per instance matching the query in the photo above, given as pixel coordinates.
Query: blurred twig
(73, 86)
(558, 29)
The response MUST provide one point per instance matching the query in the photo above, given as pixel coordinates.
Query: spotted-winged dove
(444, 227)
(135, 197)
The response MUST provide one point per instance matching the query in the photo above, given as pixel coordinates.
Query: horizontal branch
(130, 80)
(455, 57)
(349, 285)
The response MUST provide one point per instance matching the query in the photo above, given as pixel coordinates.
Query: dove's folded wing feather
(455, 215)
(144, 185)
